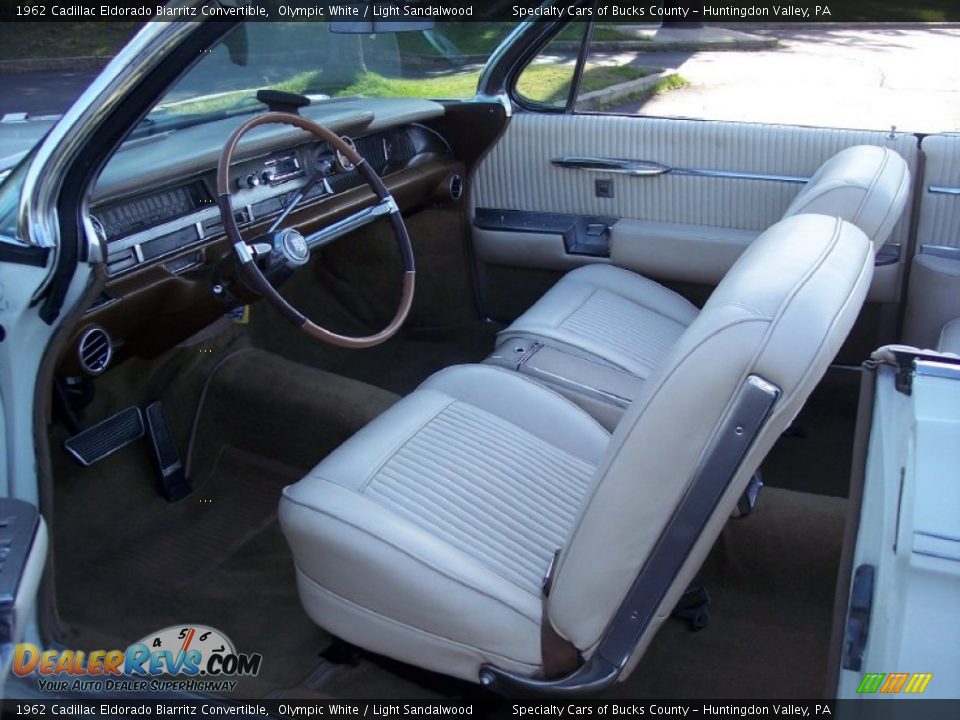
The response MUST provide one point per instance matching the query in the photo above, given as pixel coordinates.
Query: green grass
(27, 40)
(550, 84)
(474, 38)
(671, 82)
(469, 38)
(601, 33)
(544, 83)
(547, 83)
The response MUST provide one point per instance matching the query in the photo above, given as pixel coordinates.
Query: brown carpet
(217, 557)
(815, 454)
(771, 577)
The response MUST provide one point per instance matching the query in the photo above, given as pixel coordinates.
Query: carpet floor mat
(771, 577)
(815, 454)
(217, 558)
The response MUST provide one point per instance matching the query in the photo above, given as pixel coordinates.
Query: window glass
(311, 59)
(819, 75)
(548, 78)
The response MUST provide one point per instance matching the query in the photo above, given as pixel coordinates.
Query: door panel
(667, 249)
(934, 293)
(681, 225)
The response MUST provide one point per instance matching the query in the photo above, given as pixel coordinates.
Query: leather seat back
(950, 337)
(866, 185)
(781, 313)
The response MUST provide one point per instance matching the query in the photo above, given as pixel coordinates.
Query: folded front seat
(429, 535)
(617, 317)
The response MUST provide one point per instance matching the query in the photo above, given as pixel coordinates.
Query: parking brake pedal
(106, 437)
(173, 478)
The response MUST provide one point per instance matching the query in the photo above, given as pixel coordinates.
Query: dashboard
(154, 211)
(163, 221)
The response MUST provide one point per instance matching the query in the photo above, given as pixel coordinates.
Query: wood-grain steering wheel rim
(245, 258)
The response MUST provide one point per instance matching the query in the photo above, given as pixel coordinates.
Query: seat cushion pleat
(487, 487)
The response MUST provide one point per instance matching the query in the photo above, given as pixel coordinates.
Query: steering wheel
(289, 246)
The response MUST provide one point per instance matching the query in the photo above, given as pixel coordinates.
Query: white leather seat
(866, 185)
(429, 530)
(425, 537)
(950, 337)
(617, 317)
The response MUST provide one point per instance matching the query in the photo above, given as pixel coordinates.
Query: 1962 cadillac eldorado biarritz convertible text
(390, 364)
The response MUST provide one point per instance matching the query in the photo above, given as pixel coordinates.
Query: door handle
(621, 166)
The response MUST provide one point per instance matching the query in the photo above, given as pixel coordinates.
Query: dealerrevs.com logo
(192, 658)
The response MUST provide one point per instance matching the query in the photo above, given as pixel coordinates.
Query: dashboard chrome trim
(180, 223)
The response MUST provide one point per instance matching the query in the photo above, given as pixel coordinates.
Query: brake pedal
(173, 477)
(106, 437)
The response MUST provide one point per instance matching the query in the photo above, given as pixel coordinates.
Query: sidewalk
(659, 39)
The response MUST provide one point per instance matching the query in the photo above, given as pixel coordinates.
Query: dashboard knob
(248, 181)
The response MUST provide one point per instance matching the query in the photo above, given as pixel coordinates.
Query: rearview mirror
(238, 45)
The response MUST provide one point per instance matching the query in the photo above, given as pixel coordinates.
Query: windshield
(312, 59)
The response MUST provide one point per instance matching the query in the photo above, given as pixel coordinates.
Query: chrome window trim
(37, 218)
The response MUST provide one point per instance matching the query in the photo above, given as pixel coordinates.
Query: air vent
(95, 350)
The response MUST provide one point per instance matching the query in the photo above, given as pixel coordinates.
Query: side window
(618, 77)
(547, 81)
(818, 75)
(605, 81)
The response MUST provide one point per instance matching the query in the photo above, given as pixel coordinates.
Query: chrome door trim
(650, 168)
(635, 168)
(944, 251)
(943, 190)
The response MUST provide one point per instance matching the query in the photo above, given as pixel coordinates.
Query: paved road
(822, 75)
(42, 93)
